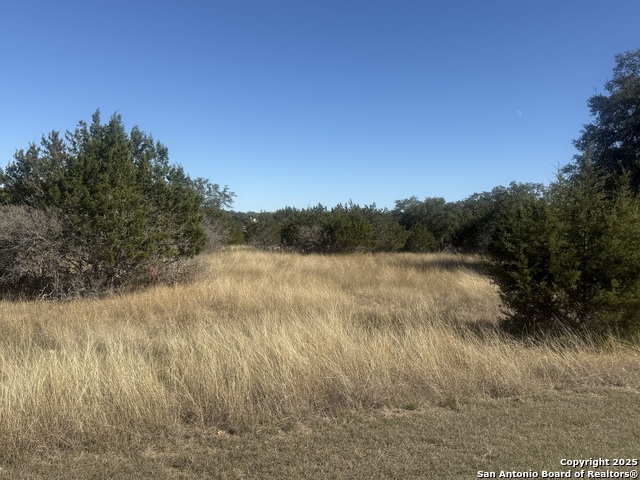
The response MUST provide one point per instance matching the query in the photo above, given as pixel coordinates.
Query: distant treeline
(414, 225)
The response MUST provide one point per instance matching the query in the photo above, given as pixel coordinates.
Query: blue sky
(299, 102)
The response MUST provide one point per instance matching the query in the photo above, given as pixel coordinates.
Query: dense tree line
(414, 225)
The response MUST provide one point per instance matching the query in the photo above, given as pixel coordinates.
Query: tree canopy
(612, 140)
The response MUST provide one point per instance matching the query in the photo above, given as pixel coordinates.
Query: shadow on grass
(447, 262)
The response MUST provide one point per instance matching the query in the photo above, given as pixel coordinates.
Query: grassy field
(273, 365)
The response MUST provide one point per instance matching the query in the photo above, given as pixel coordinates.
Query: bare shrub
(36, 258)
(216, 232)
(42, 257)
(313, 238)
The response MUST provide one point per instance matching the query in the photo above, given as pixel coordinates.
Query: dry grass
(264, 339)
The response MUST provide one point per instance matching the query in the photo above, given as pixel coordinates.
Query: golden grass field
(264, 340)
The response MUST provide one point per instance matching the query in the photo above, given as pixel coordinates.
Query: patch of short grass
(489, 435)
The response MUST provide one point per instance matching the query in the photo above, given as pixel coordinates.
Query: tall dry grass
(262, 338)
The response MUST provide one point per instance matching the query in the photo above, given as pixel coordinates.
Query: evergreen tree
(434, 214)
(388, 234)
(619, 301)
(305, 230)
(480, 214)
(349, 230)
(120, 202)
(420, 240)
(571, 259)
(522, 256)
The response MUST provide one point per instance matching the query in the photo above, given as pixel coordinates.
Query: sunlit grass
(263, 339)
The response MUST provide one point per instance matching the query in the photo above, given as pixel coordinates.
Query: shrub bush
(348, 230)
(39, 256)
(420, 240)
(104, 209)
(572, 258)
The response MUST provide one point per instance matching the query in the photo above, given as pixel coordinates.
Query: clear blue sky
(296, 102)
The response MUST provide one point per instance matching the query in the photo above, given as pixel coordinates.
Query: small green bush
(420, 240)
(349, 231)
